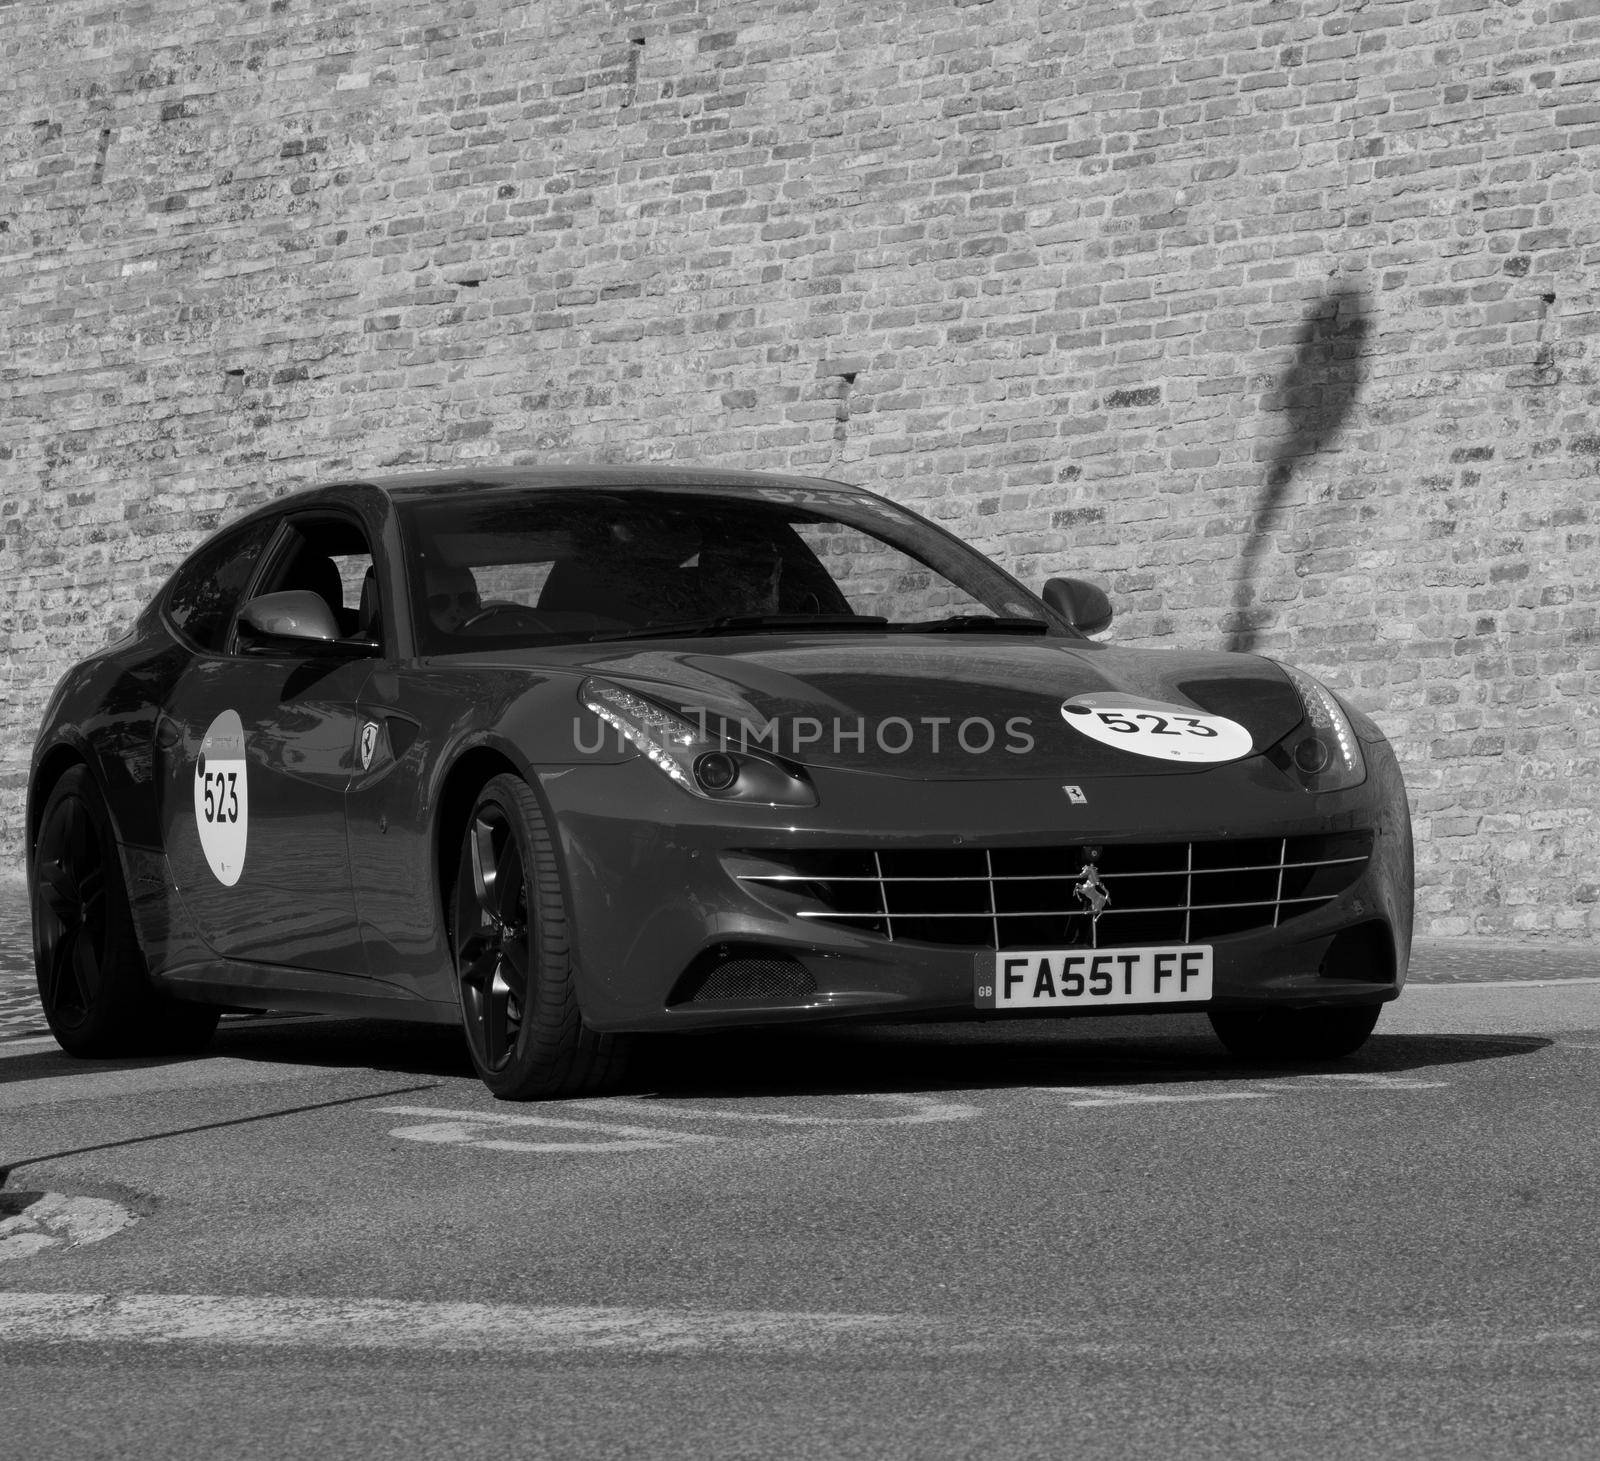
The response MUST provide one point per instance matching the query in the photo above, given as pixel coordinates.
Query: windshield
(496, 568)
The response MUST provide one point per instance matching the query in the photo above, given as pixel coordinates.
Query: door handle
(403, 730)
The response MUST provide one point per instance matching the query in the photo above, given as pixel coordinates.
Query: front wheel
(513, 959)
(1294, 1037)
(93, 983)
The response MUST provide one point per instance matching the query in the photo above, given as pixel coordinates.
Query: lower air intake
(753, 977)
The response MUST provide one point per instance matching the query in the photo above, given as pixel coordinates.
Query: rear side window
(206, 590)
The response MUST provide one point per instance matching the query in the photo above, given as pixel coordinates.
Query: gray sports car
(564, 755)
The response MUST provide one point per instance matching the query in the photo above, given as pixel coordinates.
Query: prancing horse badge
(1091, 892)
(369, 742)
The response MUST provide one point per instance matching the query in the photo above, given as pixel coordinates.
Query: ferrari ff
(569, 755)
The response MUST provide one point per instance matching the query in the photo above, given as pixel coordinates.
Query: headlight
(1322, 753)
(702, 764)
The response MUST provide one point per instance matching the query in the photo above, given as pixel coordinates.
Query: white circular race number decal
(222, 797)
(1149, 728)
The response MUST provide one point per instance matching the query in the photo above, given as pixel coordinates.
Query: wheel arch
(471, 771)
(568, 1056)
(51, 767)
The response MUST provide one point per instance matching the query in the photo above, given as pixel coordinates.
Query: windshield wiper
(747, 624)
(977, 624)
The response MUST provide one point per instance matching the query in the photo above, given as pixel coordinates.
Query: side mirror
(297, 616)
(1083, 605)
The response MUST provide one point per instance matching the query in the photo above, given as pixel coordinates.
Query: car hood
(975, 706)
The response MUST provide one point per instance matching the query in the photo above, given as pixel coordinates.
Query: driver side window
(330, 557)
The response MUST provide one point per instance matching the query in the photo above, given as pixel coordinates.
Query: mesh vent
(753, 977)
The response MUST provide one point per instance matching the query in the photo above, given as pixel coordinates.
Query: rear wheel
(513, 957)
(1295, 1036)
(93, 982)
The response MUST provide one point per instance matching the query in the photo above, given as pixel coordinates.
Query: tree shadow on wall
(1315, 396)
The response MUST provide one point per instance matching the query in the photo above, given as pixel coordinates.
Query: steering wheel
(529, 619)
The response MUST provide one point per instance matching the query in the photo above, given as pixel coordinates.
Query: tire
(93, 981)
(512, 952)
(1293, 1037)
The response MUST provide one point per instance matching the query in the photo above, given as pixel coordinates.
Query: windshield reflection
(502, 569)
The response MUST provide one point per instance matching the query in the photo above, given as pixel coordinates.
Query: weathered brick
(1281, 319)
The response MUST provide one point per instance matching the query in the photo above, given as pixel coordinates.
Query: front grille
(1022, 897)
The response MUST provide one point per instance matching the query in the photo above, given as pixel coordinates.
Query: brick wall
(1279, 318)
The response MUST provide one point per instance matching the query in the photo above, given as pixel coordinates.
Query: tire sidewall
(122, 975)
(1297, 1036)
(514, 800)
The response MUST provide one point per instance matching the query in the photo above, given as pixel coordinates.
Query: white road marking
(1353, 1080)
(1459, 984)
(55, 1318)
(919, 1109)
(471, 1128)
(55, 1220)
(474, 1128)
(320, 1323)
(1129, 1096)
(1138, 1095)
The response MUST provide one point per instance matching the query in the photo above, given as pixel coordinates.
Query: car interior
(329, 557)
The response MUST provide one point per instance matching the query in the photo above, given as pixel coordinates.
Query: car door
(258, 745)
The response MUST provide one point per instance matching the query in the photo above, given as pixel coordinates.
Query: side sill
(244, 986)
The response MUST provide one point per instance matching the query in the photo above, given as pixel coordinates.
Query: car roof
(411, 486)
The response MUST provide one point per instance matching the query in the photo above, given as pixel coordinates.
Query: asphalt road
(1021, 1239)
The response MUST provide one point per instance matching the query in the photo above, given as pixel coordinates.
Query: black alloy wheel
(492, 930)
(93, 982)
(70, 930)
(514, 970)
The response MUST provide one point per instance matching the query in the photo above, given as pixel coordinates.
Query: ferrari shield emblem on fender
(1075, 795)
(369, 743)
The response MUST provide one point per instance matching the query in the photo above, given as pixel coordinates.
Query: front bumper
(652, 890)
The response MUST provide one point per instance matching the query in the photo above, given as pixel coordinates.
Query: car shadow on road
(867, 1059)
(52, 1062)
(380, 1045)
(969, 1058)
(336, 1044)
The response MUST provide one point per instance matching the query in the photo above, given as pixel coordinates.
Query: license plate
(1093, 978)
